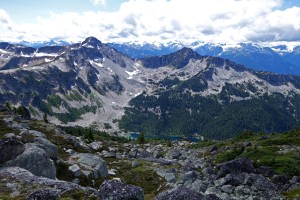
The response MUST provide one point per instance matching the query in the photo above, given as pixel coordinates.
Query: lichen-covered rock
(157, 154)
(75, 170)
(235, 167)
(10, 149)
(44, 194)
(50, 148)
(266, 171)
(95, 145)
(90, 163)
(144, 154)
(25, 180)
(35, 160)
(31, 135)
(174, 154)
(280, 179)
(179, 193)
(115, 190)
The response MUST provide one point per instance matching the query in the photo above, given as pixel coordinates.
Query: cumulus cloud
(5, 20)
(222, 21)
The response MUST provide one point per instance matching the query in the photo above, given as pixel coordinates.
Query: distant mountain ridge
(181, 93)
(276, 59)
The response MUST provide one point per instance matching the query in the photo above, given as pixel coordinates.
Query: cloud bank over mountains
(216, 21)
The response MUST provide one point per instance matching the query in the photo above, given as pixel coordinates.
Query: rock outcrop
(117, 190)
(179, 194)
(90, 164)
(10, 149)
(35, 160)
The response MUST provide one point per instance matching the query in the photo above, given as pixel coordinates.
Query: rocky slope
(213, 97)
(91, 84)
(83, 83)
(246, 167)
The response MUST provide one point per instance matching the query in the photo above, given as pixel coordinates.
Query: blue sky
(229, 21)
(27, 10)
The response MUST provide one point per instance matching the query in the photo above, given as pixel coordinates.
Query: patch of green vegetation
(205, 143)
(76, 194)
(54, 100)
(283, 163)
(33, 111)
(229, 155)
(293, 194)
(74, 96)
(142, 176)
(4, 129)
(75, 113)
(244, 136)
(287, 138)
(97, 135)
(107, 126)
(94, 99)
(215, 117)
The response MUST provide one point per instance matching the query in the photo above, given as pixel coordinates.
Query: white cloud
(5, 20)
(98, 2)
(157, 20)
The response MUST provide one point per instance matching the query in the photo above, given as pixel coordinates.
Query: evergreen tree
(45, 118)
(141, 138)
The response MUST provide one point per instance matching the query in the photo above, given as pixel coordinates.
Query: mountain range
(278, 59)
(181, 93)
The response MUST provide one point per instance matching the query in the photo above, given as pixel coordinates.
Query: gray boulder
(116, 190)
(174, 154)
(10, 136)
(50, 148)
(44, 194)
(266, 171)
(189, 167)
(119, 155)
(110, 154)
(31, 135)
(133, 153)
(135, 164)
(212, 197)
(230, 179)
(10, 149)
(294, 180)
(260, 182)
(235, 167)
(75, 170)
(26, 181)
(157, 154)
(92, 163)
(35, 160)
(280, 179)
(95, 145)
(144, 154)
(179, 193)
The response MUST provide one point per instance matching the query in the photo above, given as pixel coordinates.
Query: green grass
(142, 176)
(74, 96)
(4, 129)
(229, 155)
(293, 194)
(54, 100)
(205, 143)
(288, 163)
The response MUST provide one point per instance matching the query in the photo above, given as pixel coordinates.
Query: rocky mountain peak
(92, 42)
(178, 59)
